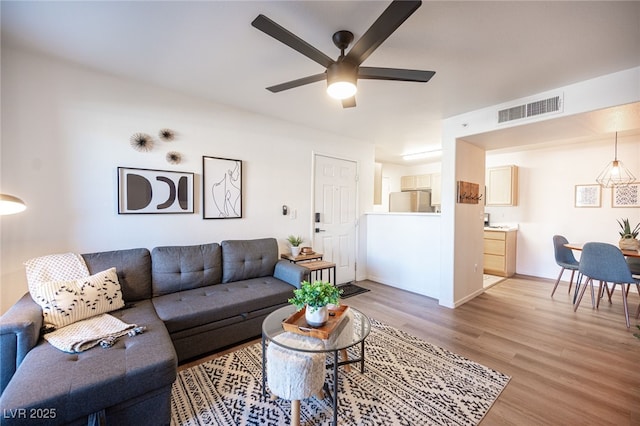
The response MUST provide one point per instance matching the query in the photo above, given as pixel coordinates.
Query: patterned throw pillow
(65, 302)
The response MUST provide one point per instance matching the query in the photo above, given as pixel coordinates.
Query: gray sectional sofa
(191, 299)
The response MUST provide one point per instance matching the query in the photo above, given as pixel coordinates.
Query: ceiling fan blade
(349, 102)
(297, 83)
(375, 73)
(381, 29)
(285, 36)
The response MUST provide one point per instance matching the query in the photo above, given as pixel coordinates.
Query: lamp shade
(341, 80)
(615, 173)
(11, 205)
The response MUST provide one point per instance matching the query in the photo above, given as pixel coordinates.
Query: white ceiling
(484, 53)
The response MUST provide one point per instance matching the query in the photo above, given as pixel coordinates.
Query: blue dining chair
(605, 263)
(565, 259)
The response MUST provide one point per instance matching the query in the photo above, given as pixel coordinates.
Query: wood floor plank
(567, 368)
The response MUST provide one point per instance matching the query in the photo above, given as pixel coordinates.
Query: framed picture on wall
(588, 195)
(626, 195)
(221, 188)
(145, 191)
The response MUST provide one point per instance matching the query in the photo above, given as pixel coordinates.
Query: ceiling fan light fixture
(341, 80)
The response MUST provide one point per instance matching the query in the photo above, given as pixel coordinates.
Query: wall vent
(531, 109)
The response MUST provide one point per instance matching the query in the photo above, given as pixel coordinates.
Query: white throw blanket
(81, 335)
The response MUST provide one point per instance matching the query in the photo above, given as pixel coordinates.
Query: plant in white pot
(315, 297)
(628, 236)
(295, 241)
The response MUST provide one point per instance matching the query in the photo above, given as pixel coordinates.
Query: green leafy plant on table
(295, 240)
(315, 295)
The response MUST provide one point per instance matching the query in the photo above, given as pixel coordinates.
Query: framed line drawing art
(221, 188)
(588, 195)
(145, 191)
(625, 195)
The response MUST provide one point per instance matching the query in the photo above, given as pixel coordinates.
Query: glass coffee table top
(353, 329)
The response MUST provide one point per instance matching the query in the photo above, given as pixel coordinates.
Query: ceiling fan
(343, 73)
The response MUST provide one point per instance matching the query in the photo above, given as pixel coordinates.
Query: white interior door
(335, 204)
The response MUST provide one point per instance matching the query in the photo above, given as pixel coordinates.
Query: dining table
(626, 253)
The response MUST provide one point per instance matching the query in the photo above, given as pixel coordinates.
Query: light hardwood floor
(566, 368)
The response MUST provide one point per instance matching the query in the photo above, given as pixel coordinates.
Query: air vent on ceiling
(531, 109)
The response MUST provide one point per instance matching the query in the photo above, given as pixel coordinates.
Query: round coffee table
(353, 330)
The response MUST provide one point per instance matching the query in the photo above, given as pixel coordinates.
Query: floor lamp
(11, 205)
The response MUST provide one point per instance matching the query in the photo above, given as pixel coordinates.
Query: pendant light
(615, 173)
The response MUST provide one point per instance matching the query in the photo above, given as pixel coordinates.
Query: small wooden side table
(319, 266)
(301, 257)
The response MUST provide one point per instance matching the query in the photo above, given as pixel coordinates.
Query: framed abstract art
(221, 188)
(145, 191)
(588, 195)
(626, 195)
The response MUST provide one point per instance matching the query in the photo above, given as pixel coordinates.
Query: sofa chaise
(191, 300)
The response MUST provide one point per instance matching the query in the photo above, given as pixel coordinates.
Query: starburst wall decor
(141, 142)
(174, 157)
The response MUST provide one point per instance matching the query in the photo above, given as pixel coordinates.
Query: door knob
(319, 230)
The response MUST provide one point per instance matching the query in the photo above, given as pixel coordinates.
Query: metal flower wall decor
(167, 135)
(141, 142)
(174, 157)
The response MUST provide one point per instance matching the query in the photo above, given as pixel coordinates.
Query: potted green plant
(295, 241)
(315, 297)
(628, 235)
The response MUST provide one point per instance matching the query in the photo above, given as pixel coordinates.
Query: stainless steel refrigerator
(410, 201)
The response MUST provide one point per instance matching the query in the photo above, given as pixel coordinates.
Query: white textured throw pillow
(65, 302)
(55, 267)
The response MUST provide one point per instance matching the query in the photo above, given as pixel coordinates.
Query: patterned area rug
(407, 381)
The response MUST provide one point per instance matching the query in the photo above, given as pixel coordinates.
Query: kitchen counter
(404, 213)
(404, 251)
(507, 227)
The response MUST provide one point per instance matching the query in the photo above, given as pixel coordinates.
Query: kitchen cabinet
(407, 183)
(423, 181)
(500, 252)
(415, 182)
(502, 186)
(436, 189)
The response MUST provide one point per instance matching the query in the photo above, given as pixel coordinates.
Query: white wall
(547, 179)
(66, 129)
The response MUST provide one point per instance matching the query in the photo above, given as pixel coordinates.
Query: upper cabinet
(502, 186)
(423, 181)
(436, 189)
(415, 182)
(407, 183)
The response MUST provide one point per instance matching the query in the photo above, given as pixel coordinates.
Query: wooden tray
(296, 323)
